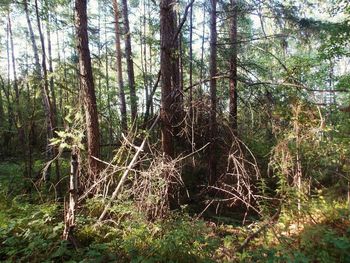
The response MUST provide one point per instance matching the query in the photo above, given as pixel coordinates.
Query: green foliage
(344, 82)
(319, 233)
(178, 239)
(29, 232)
(32, 233)
(74, 134)
(132, 237)
(281, 59)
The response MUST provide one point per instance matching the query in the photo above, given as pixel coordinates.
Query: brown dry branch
(125, 174)
(154, 187)
(237, 184)
(109, 175)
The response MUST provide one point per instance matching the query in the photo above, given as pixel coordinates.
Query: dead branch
(125, 174)
(258, 231)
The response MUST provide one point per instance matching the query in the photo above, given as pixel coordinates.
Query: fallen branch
(125, 174)
(257, 232)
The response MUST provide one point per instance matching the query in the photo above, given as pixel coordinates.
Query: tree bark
(129, 62)
(213, 99)
(167, 23)
(87, 86)
(118, 53)
(233, 68)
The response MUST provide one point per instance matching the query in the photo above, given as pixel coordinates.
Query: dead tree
(70, 206)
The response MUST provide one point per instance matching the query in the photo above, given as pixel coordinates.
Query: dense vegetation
(174, 131)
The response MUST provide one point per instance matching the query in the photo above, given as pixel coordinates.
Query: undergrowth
(319, 232)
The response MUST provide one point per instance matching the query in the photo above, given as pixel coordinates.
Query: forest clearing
(175, 131)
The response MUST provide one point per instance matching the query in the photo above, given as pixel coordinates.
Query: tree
(87, 87)
(118, 54)
(129, 62)
(213, 98)
(167, 23)
(32, 39)
(18, 123)
(233, 67)
(48, 108)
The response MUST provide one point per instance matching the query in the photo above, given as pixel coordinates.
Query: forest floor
(31, 227)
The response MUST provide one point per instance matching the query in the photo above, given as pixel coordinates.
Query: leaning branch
(125, 174)
(257, 232)
(183, 20)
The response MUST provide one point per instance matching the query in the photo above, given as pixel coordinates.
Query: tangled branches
(156, 188)
(238, 184)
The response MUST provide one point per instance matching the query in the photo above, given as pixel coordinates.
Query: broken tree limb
(126, 172)
(262, 228)
(70, 207)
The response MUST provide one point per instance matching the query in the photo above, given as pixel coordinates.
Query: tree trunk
(191, 58)
(118, 54)
(50, 123)
(298, 170)
(192, 115)
(53, 96)
(175, 59)
(70, 206)
(87, 86)
(110, 118)
(150, 63)
(51, 80)
(213, 72)
(202, 51)
(15, 86)
(129, 62)
(15, 83)
(233, 68)
(10, 116)
(167, 23)
(59, 104)
(44, 88)
(143, 54)
(32, 39)
(2, 113)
